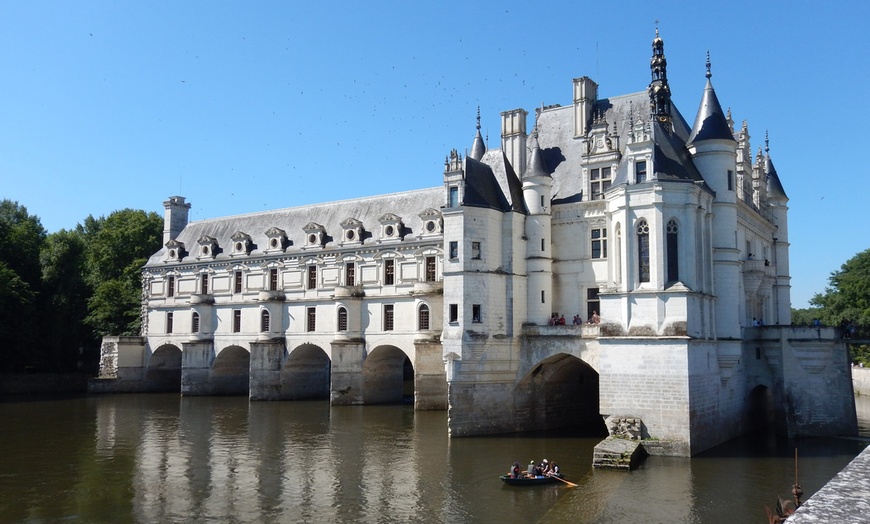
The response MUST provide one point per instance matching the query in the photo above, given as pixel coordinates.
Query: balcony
(202, 298)
(270, 295)
(428, 288)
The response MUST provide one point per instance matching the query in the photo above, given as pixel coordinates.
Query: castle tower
(537, 192)
(778, 202)
(714, 152)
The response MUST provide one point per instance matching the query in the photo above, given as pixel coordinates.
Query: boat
(531, 481)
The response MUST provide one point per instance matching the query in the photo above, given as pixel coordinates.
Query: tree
(847, 300)
(117, 248)
(21, 236)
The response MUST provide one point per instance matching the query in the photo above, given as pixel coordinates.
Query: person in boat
(545, 467)
(515, 470)
(531, 470)
(554, 470)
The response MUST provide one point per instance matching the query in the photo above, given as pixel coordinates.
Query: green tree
(117, 248)
(69, 343)
(847, 300)
(21, 236)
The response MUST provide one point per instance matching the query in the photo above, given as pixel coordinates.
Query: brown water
(163, 458)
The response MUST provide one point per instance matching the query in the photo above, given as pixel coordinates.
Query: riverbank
(12, 385)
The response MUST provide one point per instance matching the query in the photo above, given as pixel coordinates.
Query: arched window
(673, 254)
(264, 321)
(643, 251)
(342, 319)
(423, 318)
(194, 322)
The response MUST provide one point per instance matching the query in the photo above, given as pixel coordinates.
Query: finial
(478, 118)
(709, 74)
(657, 27)
(766, 142)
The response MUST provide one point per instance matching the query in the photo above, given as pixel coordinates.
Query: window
(342, 319)
(312, 277)
(350, 274)
(388, 317)
(475, 314)
(599, 182)
(599, 243)
(454, 250)
(673, 255)
(730, 180)
(194, 322)
(593, 303)
(238, 282)
(273, 279)
(475, 250)
(423, 318)
(170, 287)
(543, 248)
(454, 313)
(643, 251)
(640, 172)
(543, 297)
(453, 197)
(389, 272)
(203, 284)
(237, 321)
(169, 322)
(430, 269)
(311, 317)
(264, 321)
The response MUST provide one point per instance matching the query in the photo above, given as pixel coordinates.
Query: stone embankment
(42, 384)
(845, 499)
(861, 380)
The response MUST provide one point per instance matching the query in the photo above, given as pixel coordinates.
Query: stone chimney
(585, 94)
(174, 217)
(513, 138)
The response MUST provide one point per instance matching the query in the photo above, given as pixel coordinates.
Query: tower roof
(478, 148)
(710, 122)
(481, 187)
(536, 166)
(775, 190)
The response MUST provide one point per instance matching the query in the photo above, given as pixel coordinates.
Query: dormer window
(640, 172)
(174, 251)
(432, 223)
(242, 244)
(391, 227)
(315, 235)
(599, 182)
(351, 232)
(277, 240)
(208, 247)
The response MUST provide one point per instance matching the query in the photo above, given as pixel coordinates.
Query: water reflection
(162, 458)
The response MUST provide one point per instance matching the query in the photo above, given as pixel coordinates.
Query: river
(163, 458)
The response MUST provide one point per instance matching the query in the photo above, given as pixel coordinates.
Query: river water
(164, 458)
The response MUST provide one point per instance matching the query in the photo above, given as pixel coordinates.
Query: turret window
(476, 316)
(453, 197)
(599, 182)
(264, 321)
(673, 253)
(423, 318)
(475, 250)
(643, 251)
(454, 250)
(194, 322)
(599, 243)
(342, 319)
(640, 172)
(454, 313)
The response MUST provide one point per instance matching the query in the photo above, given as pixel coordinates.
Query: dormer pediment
(351, 232)
(277, 240)
(315, 235)
(208, 247)
(392, 227)
(242, 244)
(432, 223)
(174, 251)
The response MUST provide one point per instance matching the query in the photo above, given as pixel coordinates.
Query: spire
(774, 186)
(710, 123)
(659, 91)
(536, 166)
(478, 148)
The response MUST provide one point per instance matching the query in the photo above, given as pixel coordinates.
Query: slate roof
(710, 122)
(774, 186)
(407, 205)
(481, 187)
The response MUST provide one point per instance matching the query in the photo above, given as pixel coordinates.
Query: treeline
(61, 292)
(844, 304)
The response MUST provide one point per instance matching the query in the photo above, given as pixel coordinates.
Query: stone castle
(663, 244)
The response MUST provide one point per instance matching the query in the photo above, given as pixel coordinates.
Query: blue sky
(249, 106)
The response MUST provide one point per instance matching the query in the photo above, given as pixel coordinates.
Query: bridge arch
(388, 376)
(759, 410)
(163, 372)
(560, 391)
(230, 372)
(306, 373)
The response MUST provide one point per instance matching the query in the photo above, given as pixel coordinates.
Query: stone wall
(861, 380)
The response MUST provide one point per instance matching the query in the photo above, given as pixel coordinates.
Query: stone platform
(843, 500)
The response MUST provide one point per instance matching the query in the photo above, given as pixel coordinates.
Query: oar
(565, 481)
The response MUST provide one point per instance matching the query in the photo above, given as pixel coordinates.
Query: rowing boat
(530, 481)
